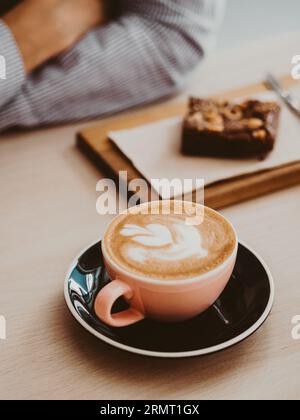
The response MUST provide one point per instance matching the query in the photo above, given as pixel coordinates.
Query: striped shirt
(145, 54)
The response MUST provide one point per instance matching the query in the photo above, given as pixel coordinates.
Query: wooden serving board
(106, 155)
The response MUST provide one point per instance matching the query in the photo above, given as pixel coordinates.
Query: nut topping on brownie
(217, 128)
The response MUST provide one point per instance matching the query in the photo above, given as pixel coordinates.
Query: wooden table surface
(47, 215)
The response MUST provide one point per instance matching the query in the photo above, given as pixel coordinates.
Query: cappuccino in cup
(164, 246)
(165, 265)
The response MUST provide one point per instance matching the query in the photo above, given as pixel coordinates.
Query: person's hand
(45, 28)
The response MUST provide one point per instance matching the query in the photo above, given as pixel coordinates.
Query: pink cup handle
(106, 299)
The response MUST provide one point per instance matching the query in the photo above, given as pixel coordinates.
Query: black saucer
(239, 312)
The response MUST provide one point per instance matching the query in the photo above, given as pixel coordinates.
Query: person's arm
(145, 55)
(46, 28)
(35, 31)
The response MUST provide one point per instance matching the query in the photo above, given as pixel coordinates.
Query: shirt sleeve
(12, 72)
(146, 54)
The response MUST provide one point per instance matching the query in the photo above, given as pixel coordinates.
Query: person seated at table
(65, 62)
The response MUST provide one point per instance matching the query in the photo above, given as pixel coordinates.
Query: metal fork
(292, 102)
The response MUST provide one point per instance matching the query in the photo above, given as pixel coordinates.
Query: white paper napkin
(154, 150)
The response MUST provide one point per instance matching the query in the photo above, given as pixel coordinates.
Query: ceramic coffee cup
(162, 300)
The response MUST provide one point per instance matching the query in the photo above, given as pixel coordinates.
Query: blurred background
(248, 21)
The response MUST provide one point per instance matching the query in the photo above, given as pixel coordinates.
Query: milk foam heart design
(156, 242)
(151, 235)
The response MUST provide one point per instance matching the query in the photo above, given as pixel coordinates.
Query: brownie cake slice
(214, 128)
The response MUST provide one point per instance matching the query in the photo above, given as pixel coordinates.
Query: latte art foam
(165, 247)
(175, 242)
